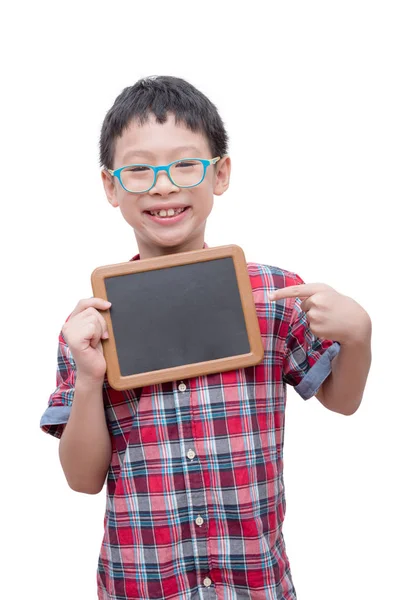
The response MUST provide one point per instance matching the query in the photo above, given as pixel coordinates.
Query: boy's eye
(137, 169)
(185, 163)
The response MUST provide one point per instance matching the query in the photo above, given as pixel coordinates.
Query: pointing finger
(297, 291)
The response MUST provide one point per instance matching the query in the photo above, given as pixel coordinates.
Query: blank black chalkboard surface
(178, 316)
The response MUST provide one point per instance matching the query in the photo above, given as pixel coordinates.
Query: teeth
(166, 213)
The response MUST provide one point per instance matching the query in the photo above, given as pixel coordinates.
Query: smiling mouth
(166, 213)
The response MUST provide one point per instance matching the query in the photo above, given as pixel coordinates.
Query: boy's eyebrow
(192, 152)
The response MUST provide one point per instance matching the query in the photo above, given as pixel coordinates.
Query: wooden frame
(255, 355)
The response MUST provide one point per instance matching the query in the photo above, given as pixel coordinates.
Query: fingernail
(107, 302)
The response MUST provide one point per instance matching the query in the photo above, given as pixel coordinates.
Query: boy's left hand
(330, 314)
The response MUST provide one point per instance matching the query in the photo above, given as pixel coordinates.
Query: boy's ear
(222, 175)
(109, 188)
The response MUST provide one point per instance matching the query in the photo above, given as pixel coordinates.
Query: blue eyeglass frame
(205, 162)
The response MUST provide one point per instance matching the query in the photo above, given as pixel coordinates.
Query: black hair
(159, 96)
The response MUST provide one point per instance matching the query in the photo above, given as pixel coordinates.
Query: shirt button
(199, 520)
(207, 581)
(182, 387)
(191, 454)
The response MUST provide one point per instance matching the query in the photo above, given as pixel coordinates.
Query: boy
(195, 493)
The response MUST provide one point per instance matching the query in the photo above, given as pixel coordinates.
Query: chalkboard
(178, 316)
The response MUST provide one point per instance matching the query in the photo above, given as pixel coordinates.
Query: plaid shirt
(195, 495)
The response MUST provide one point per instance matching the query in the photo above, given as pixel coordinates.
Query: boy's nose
(163, 185)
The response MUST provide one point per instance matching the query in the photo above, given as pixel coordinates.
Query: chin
(174, 244)
(173, 238)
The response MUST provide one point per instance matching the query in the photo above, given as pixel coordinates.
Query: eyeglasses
(184, 173)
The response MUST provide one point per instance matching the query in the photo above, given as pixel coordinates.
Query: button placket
(183, 398)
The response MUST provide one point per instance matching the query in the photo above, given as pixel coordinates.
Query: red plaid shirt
(195, 495)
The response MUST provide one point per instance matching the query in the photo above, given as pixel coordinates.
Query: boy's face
(156, 144)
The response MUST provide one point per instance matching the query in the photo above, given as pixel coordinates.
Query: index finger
(98, 303)
(296, 291)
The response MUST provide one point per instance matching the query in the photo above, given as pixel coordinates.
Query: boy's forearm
(85, 445)
(343, 390)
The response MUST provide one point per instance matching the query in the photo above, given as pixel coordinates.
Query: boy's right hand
(83, 332)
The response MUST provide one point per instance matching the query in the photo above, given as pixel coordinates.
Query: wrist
(360, 336)
(87, 383)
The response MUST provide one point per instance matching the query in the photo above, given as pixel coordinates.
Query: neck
(150, 251)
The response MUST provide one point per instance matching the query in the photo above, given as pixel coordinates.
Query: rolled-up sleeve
(307, 359)
(56, 416)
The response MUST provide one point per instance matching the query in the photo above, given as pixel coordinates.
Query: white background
(309, 93)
